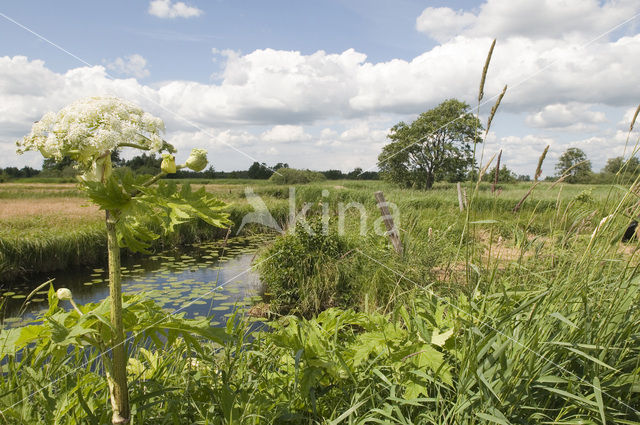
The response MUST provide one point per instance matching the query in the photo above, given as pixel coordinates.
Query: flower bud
(168, 163)
(63, 294)
(197, 160)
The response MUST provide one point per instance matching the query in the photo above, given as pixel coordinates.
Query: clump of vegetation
(585, 197)
(294, 176)
(301, 270)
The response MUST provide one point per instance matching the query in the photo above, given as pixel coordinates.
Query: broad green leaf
(439, 339)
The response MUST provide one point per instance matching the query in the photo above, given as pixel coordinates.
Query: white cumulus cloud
(527, 18)
(570, 116)
(443, 23)
(286, 134)
(133, 65)
(167, 9)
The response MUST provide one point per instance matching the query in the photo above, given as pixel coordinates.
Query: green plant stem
(117, 380)
(154, 179)
(133, 145)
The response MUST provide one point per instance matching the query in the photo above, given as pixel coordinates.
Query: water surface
(199, 280)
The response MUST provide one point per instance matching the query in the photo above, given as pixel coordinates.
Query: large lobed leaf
(145, 213)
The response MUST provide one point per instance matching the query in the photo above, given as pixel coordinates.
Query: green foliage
(619, 164)
(585, 197)
(574, 163)
(10, 173)
(142, 209)
(338, 348)
(63, 356)
(504, 175)
(262, 171)
(438, 145)
(293, 176)
(295, 268)
(61, 329)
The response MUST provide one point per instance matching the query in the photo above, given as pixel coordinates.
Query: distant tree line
(573, 166)
(150, 164)
(262, 171)
(17, 173)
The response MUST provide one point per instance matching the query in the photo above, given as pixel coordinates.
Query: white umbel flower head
(88, 128)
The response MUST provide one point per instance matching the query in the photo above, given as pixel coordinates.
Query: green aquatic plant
(137, 210)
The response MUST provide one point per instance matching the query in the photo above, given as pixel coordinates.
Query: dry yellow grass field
(47, 207)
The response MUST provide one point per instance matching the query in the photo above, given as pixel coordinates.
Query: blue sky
(383, 30)
(319, 83)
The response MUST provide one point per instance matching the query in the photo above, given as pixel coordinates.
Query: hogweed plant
(137, 210)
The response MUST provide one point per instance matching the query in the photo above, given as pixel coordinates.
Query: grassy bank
(50, 227)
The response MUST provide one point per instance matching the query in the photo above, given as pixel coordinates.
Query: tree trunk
(429, 181)
(118, 380)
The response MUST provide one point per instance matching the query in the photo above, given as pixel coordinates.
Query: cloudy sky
(318, 84)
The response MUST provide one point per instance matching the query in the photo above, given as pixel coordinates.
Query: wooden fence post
(460, 204)
(392, 231)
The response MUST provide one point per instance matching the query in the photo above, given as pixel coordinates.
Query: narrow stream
(199, 280)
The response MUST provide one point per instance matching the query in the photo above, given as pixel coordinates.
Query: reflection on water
(199, 280)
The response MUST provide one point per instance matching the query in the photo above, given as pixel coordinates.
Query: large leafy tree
(437, 145)
(259, 171)
(619, 164)
(574, 163)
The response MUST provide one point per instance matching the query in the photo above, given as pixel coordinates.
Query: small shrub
(585, 197)
(293, 176)
(300, 271)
